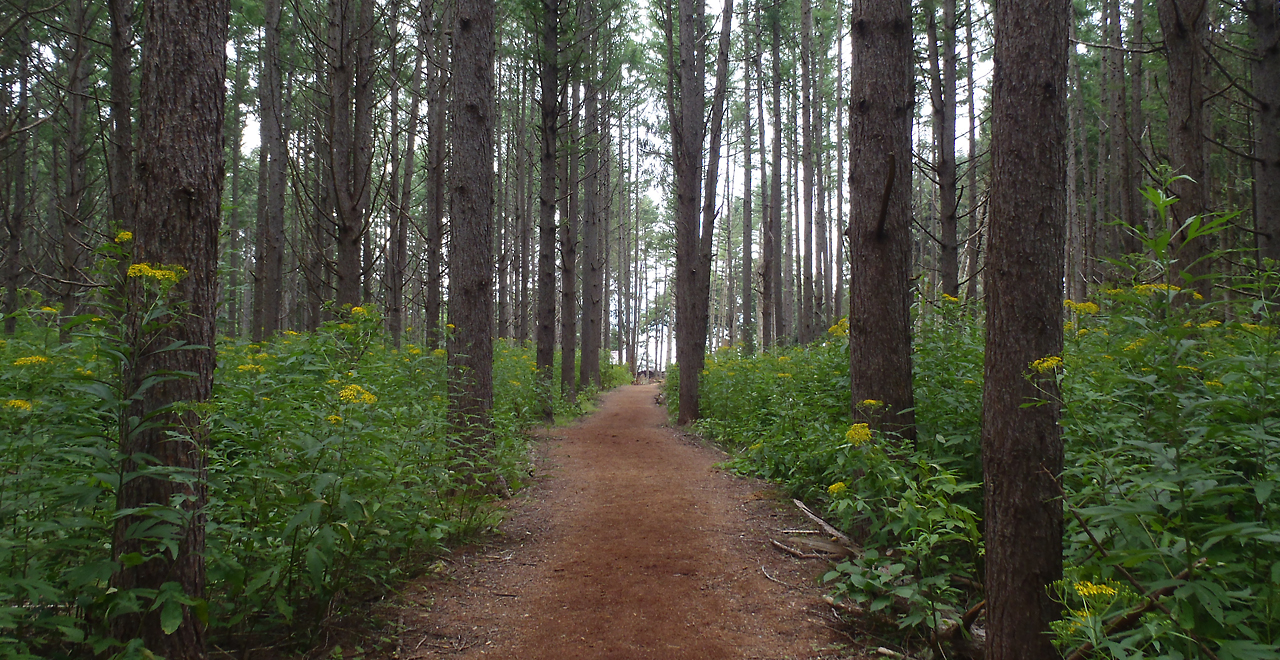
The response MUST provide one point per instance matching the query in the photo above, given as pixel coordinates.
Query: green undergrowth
(332, 476)
(1171, 420)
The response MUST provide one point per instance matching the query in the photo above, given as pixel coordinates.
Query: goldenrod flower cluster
(124, 237)
(163, 274)
(1046, 364)
(356, 394)
(1092, 590)
(837, 488)
(34, 359)
(950, 298)
(858, 435)
(1136, 344)
(1081, 308)
(359, 311)
(871, 403)
(333, 419)
(1149, 289)
(254, 368)
(841, 328)
(48, 309)
(440, 353)
(18, 404)
(1210, 324)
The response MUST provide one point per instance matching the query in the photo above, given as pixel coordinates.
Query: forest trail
(633, 545)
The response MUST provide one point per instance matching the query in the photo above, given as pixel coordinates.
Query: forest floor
(630, 544)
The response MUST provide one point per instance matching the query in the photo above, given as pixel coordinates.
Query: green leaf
(171, 616)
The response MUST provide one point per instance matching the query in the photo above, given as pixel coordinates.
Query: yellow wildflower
(514, 382)
(1135, 345)
(969, 381)
(359, 311)
(1091, 590)
(84, 372)
(332, 381)
(333, 419)
(440, 352)
(1046, 364)
(1210, 324)
(841, 328)
(1087, 308)
(18, 404)
(291, 333)
(756, 446)
(346, 326)
(839, 486)
(124, 237)
(356, 394)
(1187, 368)
(163, 274)
(871, 403)
(858, 435)
(415, 351)
(34, 359)
(1214, 383)
(46, 308)
(949, 298)
(255, 368)
(1150, 289)
(449, 326)
(784, 375)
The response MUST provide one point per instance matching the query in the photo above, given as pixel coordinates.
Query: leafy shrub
(1171, 419)
(331, 474)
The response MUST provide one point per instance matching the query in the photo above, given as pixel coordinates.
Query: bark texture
(1021, 443)
(881, 108)
(1183, 24)
(1265, 17)
(179, 177)
(471, 202)
(548, 79)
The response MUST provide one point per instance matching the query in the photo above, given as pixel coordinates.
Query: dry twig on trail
(796, 553)
(837, 534)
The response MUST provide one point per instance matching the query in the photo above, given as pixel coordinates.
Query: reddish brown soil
(632, 545)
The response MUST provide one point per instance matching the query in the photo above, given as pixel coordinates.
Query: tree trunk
(1021, 444)
(569, 168)
(270, 265)
(748, 327)
(398, 255)
(880, 208)
(16, 220)
(471, 218)
(73, 212)
(1265, 17)
(687, 130)
(805, 321)
(436, 161)
(773, 255)
(180, 171)
(1183, 24)
(121, 152)
(592, 257)
(944, 127)
(550, 107)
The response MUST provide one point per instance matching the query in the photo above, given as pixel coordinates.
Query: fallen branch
(796, 553)
(837, 534)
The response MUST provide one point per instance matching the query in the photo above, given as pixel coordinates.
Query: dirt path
(632, 546)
